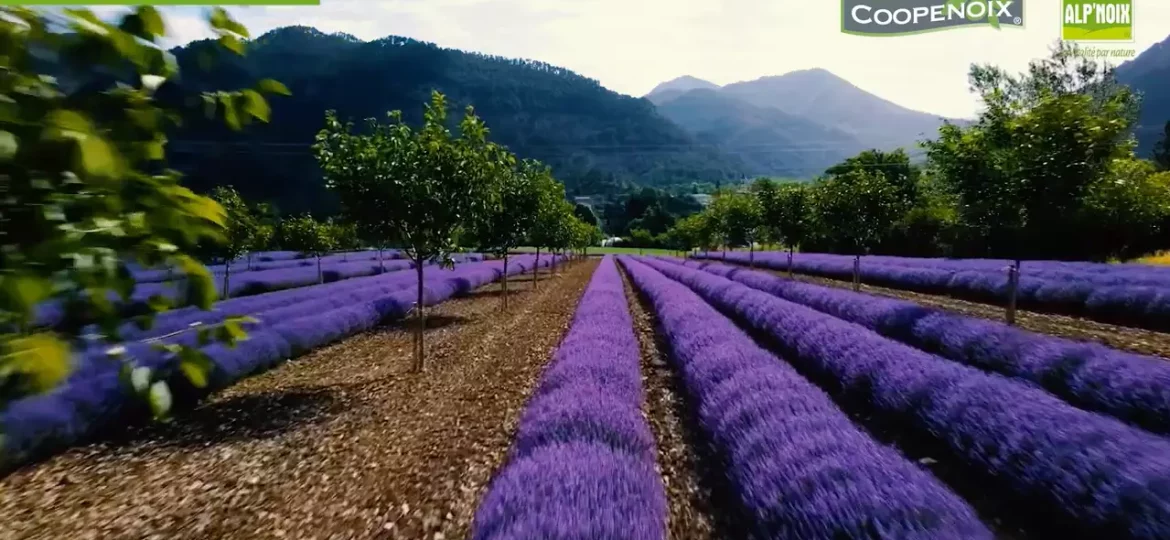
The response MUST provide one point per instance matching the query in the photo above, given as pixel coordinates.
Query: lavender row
(799, 465)
(265, 261)
(1097, 273)
(179, 327)
(1131, 387)
(179, 319)
(246, 284)
(1132, 305)
(1090, 473)
(583, 461)
(251, 283)
(39, 425)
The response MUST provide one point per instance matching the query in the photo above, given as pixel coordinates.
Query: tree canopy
(83, 165)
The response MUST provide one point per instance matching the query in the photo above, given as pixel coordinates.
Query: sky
(632, 45)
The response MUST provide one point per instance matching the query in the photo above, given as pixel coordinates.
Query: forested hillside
(596, 140)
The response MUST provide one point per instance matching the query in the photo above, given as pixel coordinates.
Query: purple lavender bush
(1130, 387)
(582, 465)
(1132, 295)
(1092, 473)
(799, 465)
(38, 425)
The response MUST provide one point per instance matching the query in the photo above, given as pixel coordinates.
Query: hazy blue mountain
(768, 140)
(807, 120)
(676, 87)
(827, 99)
(1149, 74)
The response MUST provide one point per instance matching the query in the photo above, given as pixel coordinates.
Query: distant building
(703, 199)
(584, 201)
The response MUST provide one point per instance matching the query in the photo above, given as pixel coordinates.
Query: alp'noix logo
(1085, 20)
(902, 17)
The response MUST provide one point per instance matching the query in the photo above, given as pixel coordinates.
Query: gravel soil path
(1125, 338)
(683, 457)
(344, 442)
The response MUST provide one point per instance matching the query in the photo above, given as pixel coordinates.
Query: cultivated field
(641, 398)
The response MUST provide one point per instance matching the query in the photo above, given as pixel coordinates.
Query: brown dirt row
(344, 442)
(1124, 338)
(681, 459)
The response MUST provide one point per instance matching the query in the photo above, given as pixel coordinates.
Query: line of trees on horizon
(1047, 171)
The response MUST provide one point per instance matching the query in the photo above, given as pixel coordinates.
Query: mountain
(1149, 74)
(821, 96)
(768, 140)
(822, 117)
(676, 87)
(596, 140)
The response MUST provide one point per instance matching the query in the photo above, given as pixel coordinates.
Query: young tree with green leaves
(309, 237)
(550, 211)
(698, 231)
(262, 238)
(87, 192)
(240, 235)
(790, 213)
(739, 218)
(854, 211)
(416, 186)
(1162, 150)
(344, 237)
(1020, 173)
(559, 230)
(511, 211)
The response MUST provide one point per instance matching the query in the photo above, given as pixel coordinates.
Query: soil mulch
(344, 442)
(1124, 338)
(683, 461)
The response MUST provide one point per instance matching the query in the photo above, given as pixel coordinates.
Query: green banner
(1097, 20)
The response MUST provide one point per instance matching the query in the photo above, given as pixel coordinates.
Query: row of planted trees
(254, 228)
(88, 194)
(429, 192)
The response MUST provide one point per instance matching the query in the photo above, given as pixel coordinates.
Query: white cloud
(631, 45)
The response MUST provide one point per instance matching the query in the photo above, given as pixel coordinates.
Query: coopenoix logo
(902, 17)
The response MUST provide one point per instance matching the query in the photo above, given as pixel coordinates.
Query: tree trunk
(553, 261)
(535, 268)
(1013, 287)
(790, 250)
(857, 273)
(320, 275)
(420, 322)
(249, 261)
(751, 255)
(505, 287)
(381, 265)
(227, 270)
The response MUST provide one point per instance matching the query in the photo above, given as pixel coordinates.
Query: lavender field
(832, 414)
(799, 410)
(288, 323)
(1126, 294)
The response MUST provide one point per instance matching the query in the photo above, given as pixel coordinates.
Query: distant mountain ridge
(768, 140)
(1149, 74)
(823, 118)
(597, 140)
